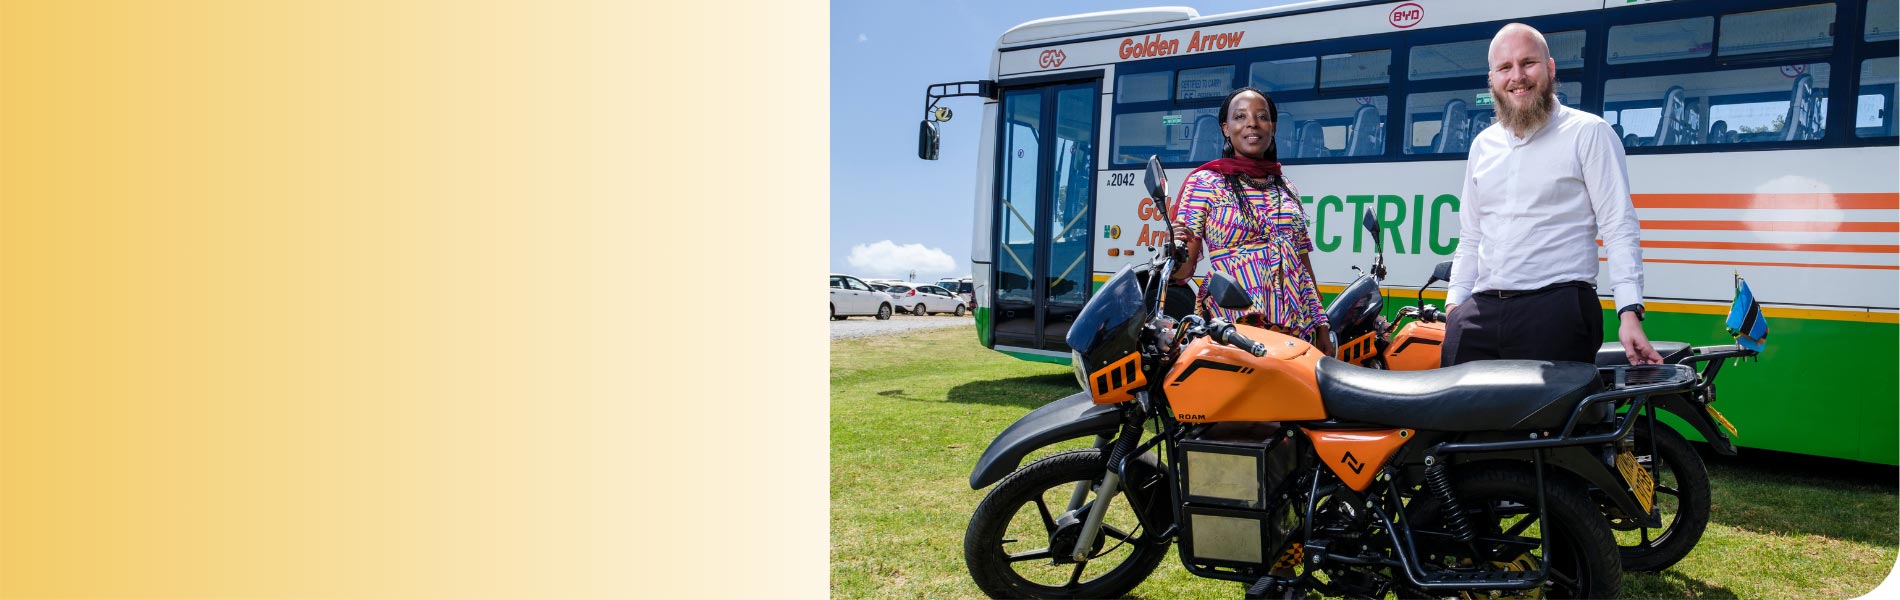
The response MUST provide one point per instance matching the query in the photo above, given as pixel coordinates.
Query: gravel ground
(899, 323)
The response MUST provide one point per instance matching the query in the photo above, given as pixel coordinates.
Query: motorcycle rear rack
(1635, 383)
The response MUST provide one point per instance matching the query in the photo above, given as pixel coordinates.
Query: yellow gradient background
(417, 299)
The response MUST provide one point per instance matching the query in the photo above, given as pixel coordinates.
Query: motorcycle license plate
(1640, 482)
(1721, 419)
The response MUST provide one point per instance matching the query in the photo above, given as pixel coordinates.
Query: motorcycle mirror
(1156, 180)
(1372, 226)
(927, 140)
(1227, 293)
(1442, 272)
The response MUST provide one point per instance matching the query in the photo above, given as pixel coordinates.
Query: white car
(851, 297)
(925, 298)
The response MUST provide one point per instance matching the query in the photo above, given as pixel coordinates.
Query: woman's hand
(1323, 339)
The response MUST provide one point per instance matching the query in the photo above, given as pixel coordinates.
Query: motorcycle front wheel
(1021, 540)
(1500, 503)
(1682, 497)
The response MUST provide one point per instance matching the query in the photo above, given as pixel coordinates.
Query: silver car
(925, 299)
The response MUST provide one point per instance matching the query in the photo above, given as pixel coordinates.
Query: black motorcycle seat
(1486, 395)
(1612, 355)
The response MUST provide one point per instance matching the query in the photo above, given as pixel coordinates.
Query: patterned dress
(1258, 245)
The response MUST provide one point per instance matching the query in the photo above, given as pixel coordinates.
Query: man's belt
(1503, 294)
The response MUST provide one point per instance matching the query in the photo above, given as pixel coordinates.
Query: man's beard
(1532, 114)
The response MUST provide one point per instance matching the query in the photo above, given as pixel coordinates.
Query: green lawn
(910, 415)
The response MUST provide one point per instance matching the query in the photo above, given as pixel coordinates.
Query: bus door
(1045, 196)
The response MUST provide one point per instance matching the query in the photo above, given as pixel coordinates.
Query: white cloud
(889, 259)
(862, 38)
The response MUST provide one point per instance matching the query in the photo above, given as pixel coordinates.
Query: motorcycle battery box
(1234, 539)
(1233, 465)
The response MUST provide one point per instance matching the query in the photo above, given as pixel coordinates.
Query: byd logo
(1051, 59)
(1406, 15)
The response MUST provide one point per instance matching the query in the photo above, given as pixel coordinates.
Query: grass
(911, 414)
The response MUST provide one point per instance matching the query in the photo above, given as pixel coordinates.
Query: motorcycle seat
(1611, 355)
(1486, 395)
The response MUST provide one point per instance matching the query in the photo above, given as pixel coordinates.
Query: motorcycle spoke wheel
(1022, 538)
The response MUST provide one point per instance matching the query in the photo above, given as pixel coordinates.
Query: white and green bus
(1760, 134)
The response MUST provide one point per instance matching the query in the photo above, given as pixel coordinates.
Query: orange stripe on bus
(1762, 264)
(1849, 227)
(1781, 201)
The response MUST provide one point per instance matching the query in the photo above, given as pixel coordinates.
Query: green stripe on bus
(1054, 360)
(983, 326)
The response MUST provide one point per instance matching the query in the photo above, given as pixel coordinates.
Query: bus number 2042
(1121, 179)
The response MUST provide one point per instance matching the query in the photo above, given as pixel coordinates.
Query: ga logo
(1113, 232)
(1051, 59)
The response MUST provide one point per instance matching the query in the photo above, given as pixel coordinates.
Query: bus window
(1336, 127)
(1142, 87)
(1209, 82)
(1881, 17)
(1786, 103)
(1182, 135)
(1778, 30)
(1356, 69)
(1665, 40)
(1288, 75)
(1873, 115)
(1466, 111)
(1467, 59)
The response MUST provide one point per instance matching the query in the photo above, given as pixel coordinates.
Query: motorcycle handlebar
(1230, 335)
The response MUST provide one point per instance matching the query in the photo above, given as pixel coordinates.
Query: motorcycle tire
(1583, 560)
(1002, 540)
(1680, 475)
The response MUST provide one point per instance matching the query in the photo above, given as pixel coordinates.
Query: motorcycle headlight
(1081, 369)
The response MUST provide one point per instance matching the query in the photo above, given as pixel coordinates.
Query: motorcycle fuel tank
(1415, 347)
(1213, 382)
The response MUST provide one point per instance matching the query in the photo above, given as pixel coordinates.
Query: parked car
(923, 299)
(851, 297)
(963, 289)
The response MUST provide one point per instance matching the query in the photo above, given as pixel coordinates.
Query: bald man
(1542, 184)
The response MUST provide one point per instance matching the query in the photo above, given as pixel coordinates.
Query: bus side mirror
(1156, 180)
(927, 140)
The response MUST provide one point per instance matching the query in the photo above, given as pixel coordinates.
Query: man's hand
(1636, 345)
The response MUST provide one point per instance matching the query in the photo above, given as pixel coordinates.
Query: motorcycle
(1411, 342)
(1296, 473)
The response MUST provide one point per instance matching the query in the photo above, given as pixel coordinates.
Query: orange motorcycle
(1295, 473)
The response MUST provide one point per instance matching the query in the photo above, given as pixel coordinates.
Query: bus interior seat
(1286, 139)
(1674, 125)
(1803, 121)
(1455, 136)
(1366, 140)
(1207, 139)
(1312, 140)
(1718, 132)
(1630, 140)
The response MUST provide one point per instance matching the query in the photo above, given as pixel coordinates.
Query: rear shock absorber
(1448, 504)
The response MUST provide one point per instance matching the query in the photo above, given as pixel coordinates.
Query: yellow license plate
(1721, 419)
(1640, 482)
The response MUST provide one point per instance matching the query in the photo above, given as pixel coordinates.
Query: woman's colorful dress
(1258, 245)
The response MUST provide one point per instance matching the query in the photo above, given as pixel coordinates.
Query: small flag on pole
(1745, 320)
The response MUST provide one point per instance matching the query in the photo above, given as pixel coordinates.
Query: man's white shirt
(1533, 208)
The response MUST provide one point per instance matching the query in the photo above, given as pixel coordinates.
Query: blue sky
(883, 55)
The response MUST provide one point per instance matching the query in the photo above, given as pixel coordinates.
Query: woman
(1255, 230)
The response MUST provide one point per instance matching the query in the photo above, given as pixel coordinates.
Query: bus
(1760, 138)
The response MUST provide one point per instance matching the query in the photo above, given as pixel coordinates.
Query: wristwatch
(1635, 308)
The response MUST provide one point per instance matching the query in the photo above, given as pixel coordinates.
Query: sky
(892, 213)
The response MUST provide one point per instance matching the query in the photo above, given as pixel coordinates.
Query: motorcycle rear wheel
(1583, 559)
(1012, 542)
(1682, 495)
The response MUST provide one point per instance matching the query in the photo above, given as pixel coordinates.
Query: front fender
(1066, 419)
